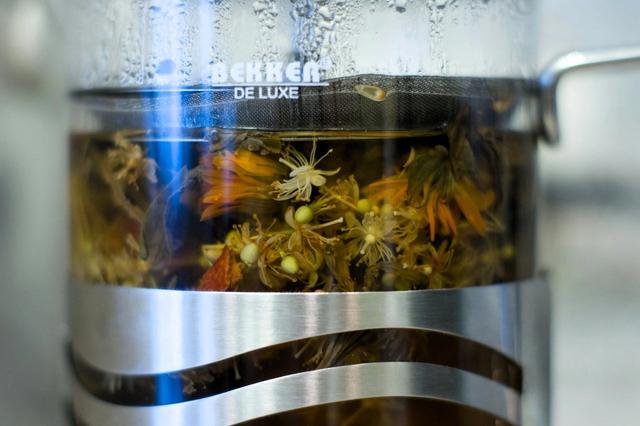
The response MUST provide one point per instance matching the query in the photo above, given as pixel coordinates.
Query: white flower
(303, 176)
(369, 239)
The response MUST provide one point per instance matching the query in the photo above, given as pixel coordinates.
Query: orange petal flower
(237, 176)
(469, 200)
(245, 162)
(446, 218)
(391, 189)
(471, 203)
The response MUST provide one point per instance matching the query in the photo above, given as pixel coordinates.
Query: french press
(308, 212)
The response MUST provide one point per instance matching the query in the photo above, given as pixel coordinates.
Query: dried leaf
(426, 168)
(223, 274)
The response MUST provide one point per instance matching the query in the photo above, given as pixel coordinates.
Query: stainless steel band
(127, 331)
(313, 388)
(146, 331)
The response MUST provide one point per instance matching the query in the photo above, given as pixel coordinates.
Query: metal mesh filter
(409, 103)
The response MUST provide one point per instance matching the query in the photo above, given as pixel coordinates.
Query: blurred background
(589, 229)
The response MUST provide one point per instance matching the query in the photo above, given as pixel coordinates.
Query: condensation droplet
(267, 13)
(325, 13)
(259, 6)
(401, 5)
(398, 5)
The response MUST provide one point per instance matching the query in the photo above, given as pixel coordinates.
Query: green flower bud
(388, 279)
(290, 265)
(249, 254)
(303, 214)
(363, 205)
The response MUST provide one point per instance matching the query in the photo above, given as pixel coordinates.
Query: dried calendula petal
(374, 93)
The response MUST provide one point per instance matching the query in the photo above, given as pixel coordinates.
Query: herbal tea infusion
(377, 190)
(220, 209)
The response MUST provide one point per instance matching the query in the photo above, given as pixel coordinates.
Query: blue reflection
(168, 390)
(177, 127)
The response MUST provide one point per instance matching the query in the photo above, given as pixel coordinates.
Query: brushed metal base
(129, 332)
(416, 380)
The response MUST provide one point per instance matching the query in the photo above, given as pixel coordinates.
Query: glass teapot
(308, 212)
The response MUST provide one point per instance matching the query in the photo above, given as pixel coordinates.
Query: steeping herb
(297, 211)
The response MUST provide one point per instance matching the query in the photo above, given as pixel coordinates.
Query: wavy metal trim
(148, 331)
(394, 379)
(282, 360)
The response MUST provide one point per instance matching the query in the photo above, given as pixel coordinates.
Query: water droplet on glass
(325, 12)
(401, 5)
(259, 6)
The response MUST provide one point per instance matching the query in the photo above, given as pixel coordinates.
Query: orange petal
(446, 219)
(449, 218)
(431, 215)
(469, 209)
(215, 210)
(244, 162)
(482, 200)
(443, 222)
(392, 189)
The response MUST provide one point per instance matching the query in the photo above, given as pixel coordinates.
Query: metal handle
(550, 77)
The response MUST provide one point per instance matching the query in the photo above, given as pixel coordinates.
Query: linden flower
(307, 242)
(368, 239)
(408, 221)
(303, 176)
(436, 266)
(129, 163)
(270, 256)
(343, 195)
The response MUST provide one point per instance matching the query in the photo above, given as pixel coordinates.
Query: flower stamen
(303, 176)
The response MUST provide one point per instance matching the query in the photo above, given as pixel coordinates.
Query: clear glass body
(300, 146)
